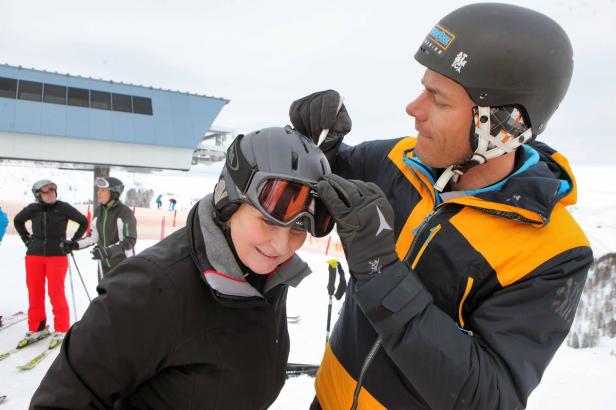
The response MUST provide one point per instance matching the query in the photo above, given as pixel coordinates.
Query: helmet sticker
(459, 62)
(220, 191)
(439, 39)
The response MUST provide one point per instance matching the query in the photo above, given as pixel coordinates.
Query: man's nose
(416, 108)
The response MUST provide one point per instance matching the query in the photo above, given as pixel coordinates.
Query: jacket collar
(111, 204)
(218, 265)
(528, 195)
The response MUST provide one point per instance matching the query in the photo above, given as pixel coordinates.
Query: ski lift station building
(55, 117)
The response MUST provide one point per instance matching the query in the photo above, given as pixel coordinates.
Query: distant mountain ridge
(596, 313)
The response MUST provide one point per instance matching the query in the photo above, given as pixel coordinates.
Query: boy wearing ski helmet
(468, 284)
(114, 227)
(46, 260)
(199, 319)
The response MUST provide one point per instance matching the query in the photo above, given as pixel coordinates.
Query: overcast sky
(262, 55)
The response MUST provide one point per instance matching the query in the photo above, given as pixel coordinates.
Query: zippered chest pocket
(433, 231)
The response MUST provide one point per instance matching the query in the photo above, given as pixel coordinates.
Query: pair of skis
(39, 357)
(31, 364)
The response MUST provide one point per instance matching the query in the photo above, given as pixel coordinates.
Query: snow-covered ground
(576, 379)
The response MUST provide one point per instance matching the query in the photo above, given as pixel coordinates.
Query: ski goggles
(101, 183)
(287, 202)
(48, 188)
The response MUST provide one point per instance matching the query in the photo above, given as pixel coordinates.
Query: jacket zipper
(364, 369)
(420, 230)
(433, 231)
(45, 233)
(469, 286)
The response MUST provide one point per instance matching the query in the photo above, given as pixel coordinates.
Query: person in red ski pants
(46, 259)
(53, 270)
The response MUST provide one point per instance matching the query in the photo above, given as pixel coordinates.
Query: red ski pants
(52, 268)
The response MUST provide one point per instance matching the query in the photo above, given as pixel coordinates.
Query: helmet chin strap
(488, 146)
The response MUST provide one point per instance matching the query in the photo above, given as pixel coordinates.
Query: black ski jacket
(484, 294)
(177, 327)
(113, 227)
(48, 227)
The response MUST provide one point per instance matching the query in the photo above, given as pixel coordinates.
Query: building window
(142, 105)
(121, 102)
(8, 87)
(100, 100)
(55, 94)
(78, 97)
(30, 90)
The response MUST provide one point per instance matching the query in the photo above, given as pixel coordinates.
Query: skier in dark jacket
(199, 319)
(46, 259)
(114, 227)
(464, 288)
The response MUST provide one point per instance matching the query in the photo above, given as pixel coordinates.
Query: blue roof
(178, 119)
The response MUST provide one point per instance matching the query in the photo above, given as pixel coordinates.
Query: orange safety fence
(156, 224)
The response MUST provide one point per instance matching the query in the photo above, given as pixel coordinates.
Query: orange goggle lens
(285, 200)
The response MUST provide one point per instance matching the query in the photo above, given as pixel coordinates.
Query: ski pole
(333, 264)
(100, 271)
(331, 267)
(80, 277)
(70, 276)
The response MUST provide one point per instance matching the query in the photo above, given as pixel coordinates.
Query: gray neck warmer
(227, 277)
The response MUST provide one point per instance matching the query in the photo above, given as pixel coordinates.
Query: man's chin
(419, 152)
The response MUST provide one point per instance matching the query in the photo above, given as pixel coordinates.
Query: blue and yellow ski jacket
(484, 294)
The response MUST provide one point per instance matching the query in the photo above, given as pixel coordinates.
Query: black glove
(26, 240)
(69, 245)
(365, 220)
(312, 114)
(100, 252)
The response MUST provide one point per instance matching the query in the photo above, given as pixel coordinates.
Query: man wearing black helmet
(114, 227)
(465, 289)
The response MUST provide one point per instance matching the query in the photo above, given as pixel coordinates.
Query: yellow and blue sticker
(439, 39)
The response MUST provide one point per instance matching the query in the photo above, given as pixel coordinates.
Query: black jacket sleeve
(122, 340)
(20, 222)
(129, 229)
(74, 215)
(516, 333)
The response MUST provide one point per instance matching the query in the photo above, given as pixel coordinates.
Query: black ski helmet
(40, 184)
(277, 151)
(112, 184)
(503, 55)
